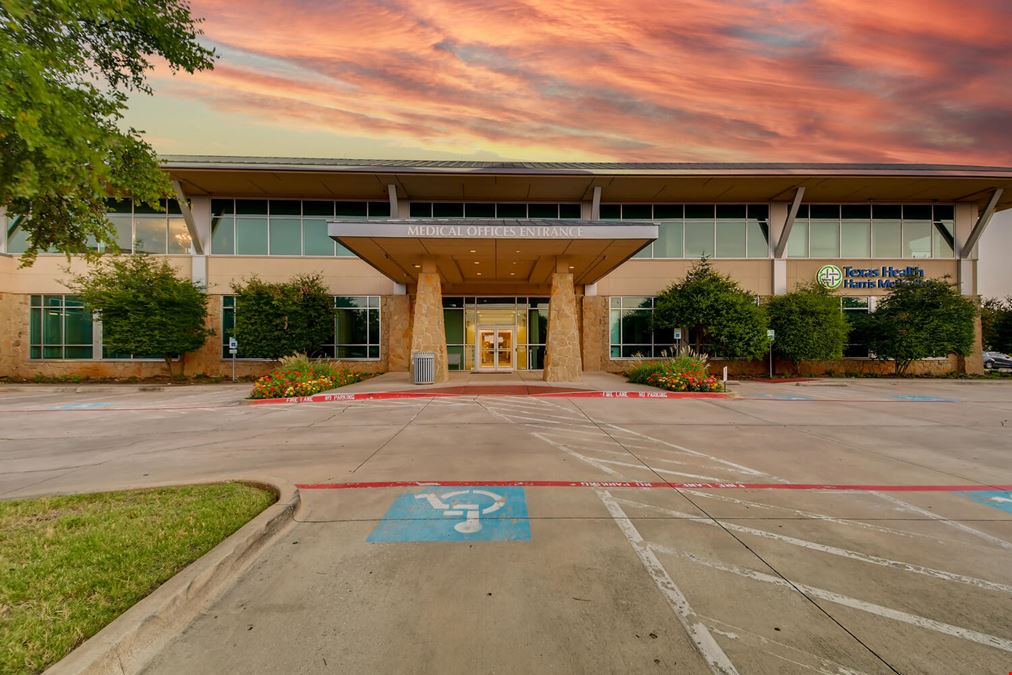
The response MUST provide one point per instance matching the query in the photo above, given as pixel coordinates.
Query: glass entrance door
(494, 348)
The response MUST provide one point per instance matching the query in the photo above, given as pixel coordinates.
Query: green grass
(70, 565)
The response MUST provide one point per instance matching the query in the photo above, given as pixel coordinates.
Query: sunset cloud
(721, 80)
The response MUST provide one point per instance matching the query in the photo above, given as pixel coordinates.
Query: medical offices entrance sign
(509, 229)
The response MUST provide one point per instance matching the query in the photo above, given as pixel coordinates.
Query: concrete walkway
(513, 382)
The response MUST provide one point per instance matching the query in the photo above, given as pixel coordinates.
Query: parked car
(997, 360)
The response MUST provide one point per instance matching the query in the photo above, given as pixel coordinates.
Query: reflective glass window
(886, 231)
(699, 230)
(250, 235)
(150, 234)
(180, 242)
(314, 237)
(286, 235)
(824, 231)
(223, 234)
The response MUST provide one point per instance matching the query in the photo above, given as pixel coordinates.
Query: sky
(603, 80)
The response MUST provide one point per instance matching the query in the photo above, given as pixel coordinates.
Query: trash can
(423, 368)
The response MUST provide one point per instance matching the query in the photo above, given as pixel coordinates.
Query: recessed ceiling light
(514, 262)
(473, 251)
(571, 267)
(416, 266)
(479, 274)
(517, 251)
(476, 262)
(513, 274)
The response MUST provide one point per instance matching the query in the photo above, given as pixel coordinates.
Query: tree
(279, 319)
(809, 325)
(716, 310)
(67, 69)
(996, 324)
(145, 308)
(921, 319)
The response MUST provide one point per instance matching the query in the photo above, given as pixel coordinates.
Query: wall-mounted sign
(886, 276)
(510, 229)
(829, 276)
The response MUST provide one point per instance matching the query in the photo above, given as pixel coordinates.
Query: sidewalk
(517, 382)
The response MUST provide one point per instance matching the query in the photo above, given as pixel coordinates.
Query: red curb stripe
(654, 484)
(435, 393)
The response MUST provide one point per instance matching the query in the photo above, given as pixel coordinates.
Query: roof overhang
(491, 254)
(307, 178)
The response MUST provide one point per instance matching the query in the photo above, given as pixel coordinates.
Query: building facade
(509, 266)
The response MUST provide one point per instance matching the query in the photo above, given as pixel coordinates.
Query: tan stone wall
(428, 333)
(51, 273)
(562, 351)
(397, 332)
(650, 277)
(342, 276)
(594, 335)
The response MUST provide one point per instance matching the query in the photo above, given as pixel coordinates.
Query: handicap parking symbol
(474, 513)
(999, 499)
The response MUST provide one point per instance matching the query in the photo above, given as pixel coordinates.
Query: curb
(435, 393)
(134, 638)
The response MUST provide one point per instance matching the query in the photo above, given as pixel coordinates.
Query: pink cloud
(749, 80)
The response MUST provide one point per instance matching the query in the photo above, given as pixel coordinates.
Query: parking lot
(833, 526)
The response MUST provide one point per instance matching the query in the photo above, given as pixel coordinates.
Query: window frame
(337, 251)
(229, 305)
(648, 252)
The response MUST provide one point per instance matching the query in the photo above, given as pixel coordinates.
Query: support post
(785, 233)
(428, 333)
(981, 224)
(563, 362)
(191, 225)
(392, 195)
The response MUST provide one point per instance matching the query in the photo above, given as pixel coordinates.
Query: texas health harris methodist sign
(886, 276)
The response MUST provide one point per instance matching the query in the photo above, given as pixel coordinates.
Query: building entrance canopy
(493, 256)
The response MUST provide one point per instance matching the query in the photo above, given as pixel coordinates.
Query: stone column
(427, 331)
(562, 358)
(397, 321)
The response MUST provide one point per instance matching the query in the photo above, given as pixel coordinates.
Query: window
(356, 328)
(522, 211)
(283, 227)
(631, 328)
(853, 309)
(695, 230)
(60, 328)
(872, 230)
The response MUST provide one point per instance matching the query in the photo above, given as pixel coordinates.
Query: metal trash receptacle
(423, 368)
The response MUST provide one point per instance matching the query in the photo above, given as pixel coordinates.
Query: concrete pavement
(610, 579)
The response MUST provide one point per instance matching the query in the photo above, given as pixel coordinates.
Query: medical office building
(510, 266)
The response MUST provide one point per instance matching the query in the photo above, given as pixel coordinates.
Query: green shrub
(809, 325)
(277, 319)
(919, 320)
(712, 309)
(297, 375)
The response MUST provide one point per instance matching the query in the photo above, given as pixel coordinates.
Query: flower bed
(680, 373)
(300, 377)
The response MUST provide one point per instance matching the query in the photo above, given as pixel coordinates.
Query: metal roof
(231, 162)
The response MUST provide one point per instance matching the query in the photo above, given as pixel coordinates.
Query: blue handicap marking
(904, 397)
(473, 513)
(999, 499)
(80, 406)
